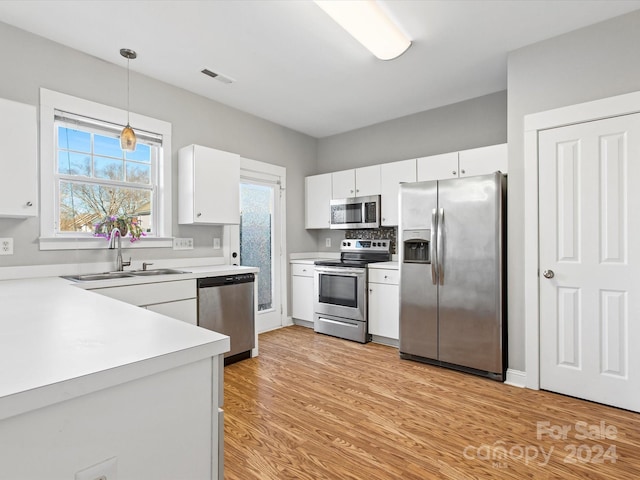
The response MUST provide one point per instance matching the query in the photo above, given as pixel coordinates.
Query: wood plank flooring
(317, 407)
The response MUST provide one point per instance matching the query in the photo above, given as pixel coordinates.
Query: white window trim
(51, 101)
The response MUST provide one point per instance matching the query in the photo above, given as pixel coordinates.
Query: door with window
(259, 240)
(590, 260)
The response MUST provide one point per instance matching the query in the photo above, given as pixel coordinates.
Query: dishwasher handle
(225, 280)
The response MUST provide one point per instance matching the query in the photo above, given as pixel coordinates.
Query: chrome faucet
(115, 233)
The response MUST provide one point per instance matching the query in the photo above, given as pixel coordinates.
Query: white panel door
(590, 261)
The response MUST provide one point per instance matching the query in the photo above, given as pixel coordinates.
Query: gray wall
(30, 62)
(591, 63)
(473, 123)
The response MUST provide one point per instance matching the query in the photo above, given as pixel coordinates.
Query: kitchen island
(88, 380)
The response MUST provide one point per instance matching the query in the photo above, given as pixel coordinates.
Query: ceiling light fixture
(128, 136)
(368, 23)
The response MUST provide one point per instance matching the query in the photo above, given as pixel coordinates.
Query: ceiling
(293, 65)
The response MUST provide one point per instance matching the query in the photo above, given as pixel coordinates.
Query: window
(85, 176)
(95, 178)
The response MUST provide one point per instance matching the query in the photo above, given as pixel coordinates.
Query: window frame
(50, 101)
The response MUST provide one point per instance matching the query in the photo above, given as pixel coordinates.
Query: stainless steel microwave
(356, 212)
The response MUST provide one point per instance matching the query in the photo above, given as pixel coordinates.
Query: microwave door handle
(432, 248)
(440, 247)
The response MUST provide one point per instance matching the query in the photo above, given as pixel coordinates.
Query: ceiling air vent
(217, 76)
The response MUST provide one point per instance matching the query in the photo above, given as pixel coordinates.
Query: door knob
(548, 274)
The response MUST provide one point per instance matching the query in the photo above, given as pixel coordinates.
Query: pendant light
(128, 136)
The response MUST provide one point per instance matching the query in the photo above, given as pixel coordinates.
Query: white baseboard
(516, 378)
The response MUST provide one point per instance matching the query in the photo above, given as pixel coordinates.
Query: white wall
(594, 62)
(30, 62)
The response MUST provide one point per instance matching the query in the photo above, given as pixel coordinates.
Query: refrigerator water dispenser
(416, 250)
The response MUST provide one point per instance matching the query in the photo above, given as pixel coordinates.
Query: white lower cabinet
(174, 299)
(384, 304)
(302, 291)
(185, 310)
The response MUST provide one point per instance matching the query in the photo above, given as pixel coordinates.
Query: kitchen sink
(157, 271)
(93, 277)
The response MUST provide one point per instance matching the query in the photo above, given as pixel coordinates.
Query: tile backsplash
(382, 233)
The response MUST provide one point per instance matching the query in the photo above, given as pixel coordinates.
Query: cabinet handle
(462, 171)
(29, 204)
(370, 290)
(199, 215)
(386, 277)
(454, 172)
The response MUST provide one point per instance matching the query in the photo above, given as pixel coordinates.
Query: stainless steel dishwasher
(225, 305)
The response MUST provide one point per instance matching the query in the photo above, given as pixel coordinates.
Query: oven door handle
(344, 271)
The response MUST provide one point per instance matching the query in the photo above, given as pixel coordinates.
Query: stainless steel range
(340, 301)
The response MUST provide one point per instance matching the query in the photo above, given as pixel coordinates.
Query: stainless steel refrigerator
(452, 240)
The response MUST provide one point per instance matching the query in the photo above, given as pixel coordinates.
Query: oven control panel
(362, 245)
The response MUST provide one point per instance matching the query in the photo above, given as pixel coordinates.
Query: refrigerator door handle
(440, 247)
(432, 248)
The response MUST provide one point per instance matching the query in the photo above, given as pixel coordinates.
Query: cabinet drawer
(302, 270)
(150, 293)
(383, 275)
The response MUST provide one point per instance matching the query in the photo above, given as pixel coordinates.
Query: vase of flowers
(126, 224)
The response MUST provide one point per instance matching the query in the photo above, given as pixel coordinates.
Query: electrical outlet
(183, 243)
(216, 243)
(105, 470)
(327, 242)
(6, 246)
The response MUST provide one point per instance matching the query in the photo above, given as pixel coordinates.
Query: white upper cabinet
(467, 163)
(391, 176)
(480, 161)
(18, 159)
(317, 212)
(437, 167)
(359, 182)
(208, 186)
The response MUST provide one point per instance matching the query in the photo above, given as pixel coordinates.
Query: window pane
(108, 168)
(256, 237)
(107, 146)
(138, 173)
(74, 140)
(71, 163)
(83, 205)
(142, 153)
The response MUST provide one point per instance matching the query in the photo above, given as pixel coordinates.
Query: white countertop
(59, 341)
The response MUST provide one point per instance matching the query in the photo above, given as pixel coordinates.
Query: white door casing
(253, 170)
(589, 301)
(533, 123)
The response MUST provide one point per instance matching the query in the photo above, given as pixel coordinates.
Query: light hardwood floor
(317, 407)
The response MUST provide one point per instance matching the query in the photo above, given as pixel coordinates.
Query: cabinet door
(391, 176)
(302, 298)
(368, 181)
(343, 184)
(209, 186)
(317, 213)
(481, 161)
(384, 307)
(185, 310)
(437, 167)
(18, 160)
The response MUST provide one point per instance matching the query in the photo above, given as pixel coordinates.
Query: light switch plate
(6, 246)
(183, 243)
(327, 242)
